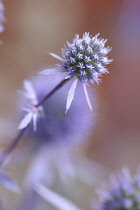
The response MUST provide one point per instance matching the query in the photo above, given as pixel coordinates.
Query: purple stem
(53, 91)
(12, 145)
(21, 132)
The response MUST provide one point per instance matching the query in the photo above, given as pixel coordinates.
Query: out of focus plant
(124, 193)
(54, 130)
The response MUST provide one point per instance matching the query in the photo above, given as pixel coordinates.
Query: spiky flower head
(123, 195)
(84, 60)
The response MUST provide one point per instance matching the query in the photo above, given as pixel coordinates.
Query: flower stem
(12, 145)
(21, 132)
(53, 91)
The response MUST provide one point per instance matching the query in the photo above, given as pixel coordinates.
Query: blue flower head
(84, 60)
(123, 195)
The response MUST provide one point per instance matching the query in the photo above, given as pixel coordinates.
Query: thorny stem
(12, 145)
(21, 132)
(53, 91)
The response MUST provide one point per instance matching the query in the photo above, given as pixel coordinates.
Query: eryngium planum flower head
(55, 126)
(124, 193)
(86, 58)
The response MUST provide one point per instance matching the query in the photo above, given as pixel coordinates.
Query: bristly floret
(86, 58)
(123, 195)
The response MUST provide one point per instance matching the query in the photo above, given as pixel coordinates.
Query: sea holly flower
(33, 111)
(85, 60)
(124, 193)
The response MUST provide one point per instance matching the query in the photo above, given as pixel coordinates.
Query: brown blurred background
(35, 27)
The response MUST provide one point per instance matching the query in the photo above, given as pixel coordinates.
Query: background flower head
(57, 133)
(124, 193)
(55, 125)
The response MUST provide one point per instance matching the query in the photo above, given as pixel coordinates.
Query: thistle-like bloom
(123, 195)
(85, 60)
(2, 19)
(8, 182)
(33, 112)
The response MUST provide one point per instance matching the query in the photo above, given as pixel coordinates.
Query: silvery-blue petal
(26, 120)
(55, 199)
(29, 88)
(87, 96)
(56, 56)
(68, 76)
(35, 121)
(50, 71)
(71, 94)
(8, 182)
